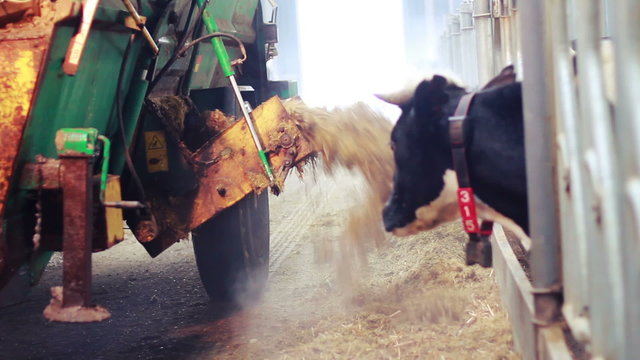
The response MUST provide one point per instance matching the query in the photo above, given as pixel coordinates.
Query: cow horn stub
(403, 96)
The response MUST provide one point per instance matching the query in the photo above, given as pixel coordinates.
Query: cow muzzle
(396, 216)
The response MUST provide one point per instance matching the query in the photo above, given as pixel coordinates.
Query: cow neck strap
(466, 200)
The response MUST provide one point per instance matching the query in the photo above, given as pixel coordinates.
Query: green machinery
(114, 111)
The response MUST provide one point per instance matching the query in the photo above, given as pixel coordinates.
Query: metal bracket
(140, 24)
(131, 23)
(72, 302)
(77, 44)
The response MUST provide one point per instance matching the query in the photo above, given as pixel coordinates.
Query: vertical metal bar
(545, 261)
(506, 37)
(626, 33)
(78, 225)
(573, 205)
(607, 293)
(627, 78)
(469, 55)
(497, 49)
(515, 35)
(445, 49)
(571, 19)
(484, 39)
(605, 21)
(456, 53)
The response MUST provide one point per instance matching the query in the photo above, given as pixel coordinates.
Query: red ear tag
(467, 206)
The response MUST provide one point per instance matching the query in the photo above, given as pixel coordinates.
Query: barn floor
(412, 299)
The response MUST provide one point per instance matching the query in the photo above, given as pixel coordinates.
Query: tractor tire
(232, 251)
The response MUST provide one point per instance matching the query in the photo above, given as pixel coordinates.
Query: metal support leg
(72, 303)
(78, 225)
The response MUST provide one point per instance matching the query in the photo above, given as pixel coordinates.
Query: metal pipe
(600, 158)
(447, 46)
(538, 125)
(576, 229)
(454, 32)
(496, 34)
(506, 36)
(515, 28)
(468, 44)
(140, 23)
(252, 130)
(484, 39)
(78, 229)
(227, 69)
(627, 76)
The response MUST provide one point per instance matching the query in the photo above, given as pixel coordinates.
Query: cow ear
(430, 96)
(506, 76)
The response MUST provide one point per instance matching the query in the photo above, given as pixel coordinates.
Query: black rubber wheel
(232, 251)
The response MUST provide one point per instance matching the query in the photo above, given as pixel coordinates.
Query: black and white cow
(424, 189)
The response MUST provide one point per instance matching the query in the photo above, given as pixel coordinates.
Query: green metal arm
(106, 149)
(225, 64)
(218, 46)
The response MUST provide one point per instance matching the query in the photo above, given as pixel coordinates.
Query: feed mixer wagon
(155, 116)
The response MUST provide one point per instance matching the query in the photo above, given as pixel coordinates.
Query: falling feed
(356, 138)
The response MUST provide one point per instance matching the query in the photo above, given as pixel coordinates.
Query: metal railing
(580, 88)
(595, 167)
(481, 39)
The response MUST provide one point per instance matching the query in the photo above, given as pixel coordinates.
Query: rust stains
(55, 311)
(228, 168)
(23, 46)
(18, 77)
(240, 170)
(217, 121)
(20, 61)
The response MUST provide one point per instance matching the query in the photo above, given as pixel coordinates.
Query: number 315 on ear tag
(468, 210)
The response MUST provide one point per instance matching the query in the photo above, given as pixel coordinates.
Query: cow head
(424, 185)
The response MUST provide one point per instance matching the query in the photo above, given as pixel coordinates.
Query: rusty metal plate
(23, 46)
(233, 170)
(44, 175)
(238, 170)
(20, 61)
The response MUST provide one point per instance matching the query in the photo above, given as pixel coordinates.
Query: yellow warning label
(155, 145)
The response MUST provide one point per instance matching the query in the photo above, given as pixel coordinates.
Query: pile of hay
(417, 301)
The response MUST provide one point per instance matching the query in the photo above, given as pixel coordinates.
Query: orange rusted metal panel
(238, 170)
(23, 47)
(21, 60)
